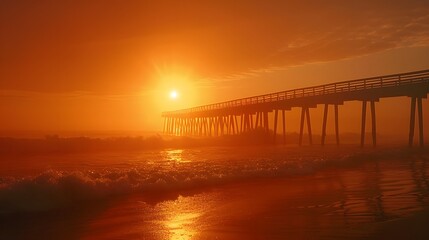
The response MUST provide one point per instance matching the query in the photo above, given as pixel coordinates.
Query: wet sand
(373, 199)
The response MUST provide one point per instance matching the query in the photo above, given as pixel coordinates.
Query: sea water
(374, 184)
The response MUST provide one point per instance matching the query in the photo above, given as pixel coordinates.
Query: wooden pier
(246, 114)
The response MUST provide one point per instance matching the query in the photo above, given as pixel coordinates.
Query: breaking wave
(58, 189)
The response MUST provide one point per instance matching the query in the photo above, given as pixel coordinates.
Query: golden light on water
(180, 226)
(175, 155)
(184, 217)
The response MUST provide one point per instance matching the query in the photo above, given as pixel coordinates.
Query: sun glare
(175, 89)
(174, 94)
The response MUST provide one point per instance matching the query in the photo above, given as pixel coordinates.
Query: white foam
(57, 189)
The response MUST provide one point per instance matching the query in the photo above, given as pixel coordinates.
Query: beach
(195, 120)
(349, 193)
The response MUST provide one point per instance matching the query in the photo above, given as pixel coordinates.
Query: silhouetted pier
(245, 114)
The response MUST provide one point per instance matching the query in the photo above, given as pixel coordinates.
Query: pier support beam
(205, 127)
(173, 125)
(310, 136)
(412, 120)
(230, 122)
(210, 126)
(215, 126)
(222, 125)
(179, 130)
(247, 123)
(284, 127)
(373, 123)
(362, 132)
(305, 113)
(325, 118)
(257, 120)
(301, 128)
(236, 125)
(266, 123)
(337, 131)
(276, 114)
(420, 110)
(242, 123)
(200, 126)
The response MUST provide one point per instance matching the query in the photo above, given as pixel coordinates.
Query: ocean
(257, 192)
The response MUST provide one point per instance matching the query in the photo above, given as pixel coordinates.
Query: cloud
(73, 95)
(112, 47)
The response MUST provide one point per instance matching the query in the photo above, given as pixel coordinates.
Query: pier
(246, 114)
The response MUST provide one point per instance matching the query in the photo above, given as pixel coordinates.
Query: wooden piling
(325, 118)
(362, 133)
(284, 127)
(420, 112)
(310, 136)
(373, 124)
(276, 113)
(337, 132)
(301, 128)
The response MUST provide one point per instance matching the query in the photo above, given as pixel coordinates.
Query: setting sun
(175, 88)
(174, 94)
(214, 119)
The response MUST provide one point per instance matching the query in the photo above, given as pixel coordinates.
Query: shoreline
(354, 201)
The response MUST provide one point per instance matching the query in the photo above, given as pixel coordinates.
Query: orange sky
(76, 65)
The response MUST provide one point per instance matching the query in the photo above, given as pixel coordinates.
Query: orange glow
(175, 84)
(174, 95)
(70, 65)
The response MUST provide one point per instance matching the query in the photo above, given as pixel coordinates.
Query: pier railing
(379, 82)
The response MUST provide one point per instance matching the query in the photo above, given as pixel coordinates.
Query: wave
(59, 189)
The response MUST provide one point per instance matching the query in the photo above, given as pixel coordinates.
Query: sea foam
(55, 189)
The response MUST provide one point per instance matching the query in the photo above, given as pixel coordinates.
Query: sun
(174, 95)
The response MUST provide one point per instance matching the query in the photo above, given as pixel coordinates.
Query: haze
(107, 65)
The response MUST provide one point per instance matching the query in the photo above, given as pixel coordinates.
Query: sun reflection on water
(180, 226)
(184, 217)
(175, 155)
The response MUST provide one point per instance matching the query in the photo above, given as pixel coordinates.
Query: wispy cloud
(374, 34)
(65, 95)
(96, 48)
